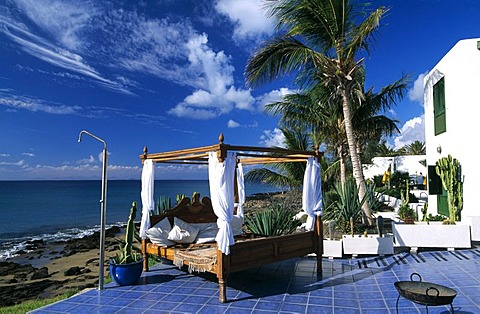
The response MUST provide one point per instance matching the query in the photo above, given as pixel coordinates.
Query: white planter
(332, 248)
(432, 235)
(370, 245)
(474, 223)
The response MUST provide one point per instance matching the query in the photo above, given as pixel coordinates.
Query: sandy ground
(54, 269)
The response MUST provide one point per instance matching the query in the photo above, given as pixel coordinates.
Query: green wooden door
(442, 203)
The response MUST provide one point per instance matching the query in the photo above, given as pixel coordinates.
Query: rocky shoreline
(51, 269)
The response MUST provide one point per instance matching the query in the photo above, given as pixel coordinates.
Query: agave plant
(371, 195)
(279, 219)
(347, 209)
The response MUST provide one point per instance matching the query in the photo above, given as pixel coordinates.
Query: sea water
(62, 210)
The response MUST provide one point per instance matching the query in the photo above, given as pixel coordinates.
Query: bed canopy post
(319, 243)
(318, 227)
(222, 148)
(312, 203)
(143, 157)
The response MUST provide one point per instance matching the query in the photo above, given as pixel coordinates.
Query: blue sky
(169, 75)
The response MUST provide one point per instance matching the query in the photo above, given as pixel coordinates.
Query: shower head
(80, 136)
(95, 137)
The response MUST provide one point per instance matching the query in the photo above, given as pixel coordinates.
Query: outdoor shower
(103, 208)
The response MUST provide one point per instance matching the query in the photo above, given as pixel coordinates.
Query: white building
(452, 108)
(407, 163)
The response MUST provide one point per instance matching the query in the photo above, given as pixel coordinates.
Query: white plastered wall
(461, 69)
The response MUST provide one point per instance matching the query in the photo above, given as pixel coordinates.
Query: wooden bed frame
(247, 252)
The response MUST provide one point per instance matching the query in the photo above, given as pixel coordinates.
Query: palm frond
(279, 56)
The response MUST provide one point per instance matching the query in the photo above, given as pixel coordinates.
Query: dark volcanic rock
(10, 268)
(73, 271)
(40, 273)
(14, 294)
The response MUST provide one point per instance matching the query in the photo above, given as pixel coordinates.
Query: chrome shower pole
(103, 208)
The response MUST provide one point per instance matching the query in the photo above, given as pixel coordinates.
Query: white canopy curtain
(241, 191)
(312, 192)
(221, 176)
(148, 182)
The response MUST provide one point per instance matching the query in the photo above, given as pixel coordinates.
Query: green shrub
(347, 209)
(405, 212)
(277, 220)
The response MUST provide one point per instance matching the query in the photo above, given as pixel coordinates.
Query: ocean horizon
(59, 210)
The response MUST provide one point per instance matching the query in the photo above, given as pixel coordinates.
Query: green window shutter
(439, 117)
(442, 204)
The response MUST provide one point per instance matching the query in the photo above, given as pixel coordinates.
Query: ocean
(62, 210)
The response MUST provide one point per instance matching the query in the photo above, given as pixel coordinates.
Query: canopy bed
(184, 235)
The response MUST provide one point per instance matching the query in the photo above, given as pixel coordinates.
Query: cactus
(405, 195)
(180, 197)
(163, 203)
(127, 256)
(450, 173)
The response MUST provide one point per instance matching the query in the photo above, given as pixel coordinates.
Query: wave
(13, 247)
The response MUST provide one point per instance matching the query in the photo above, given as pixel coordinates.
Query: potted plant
(436, 234)
(347, 212)
(126, 267)
(405, 212)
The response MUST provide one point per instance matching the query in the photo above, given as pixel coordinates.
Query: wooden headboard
(192, 212)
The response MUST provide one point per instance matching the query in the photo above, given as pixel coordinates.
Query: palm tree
(415, 148)
(370, 125)
(321, 40)
(378, 149)
(289, 174)
(314, 112)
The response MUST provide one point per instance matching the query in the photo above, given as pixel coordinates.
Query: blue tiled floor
(361, 285)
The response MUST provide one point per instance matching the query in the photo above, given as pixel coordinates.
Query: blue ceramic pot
(126, 274)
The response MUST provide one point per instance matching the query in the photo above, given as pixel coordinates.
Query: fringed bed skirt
(200, 260)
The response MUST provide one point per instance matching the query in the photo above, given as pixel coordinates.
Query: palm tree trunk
(352, 148)
(343, 167)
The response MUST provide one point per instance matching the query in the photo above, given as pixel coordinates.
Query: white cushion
(207, 232)
(158, 234)
(182, 232)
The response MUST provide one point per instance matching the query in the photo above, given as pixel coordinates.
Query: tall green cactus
(450, 173)
(126, 256)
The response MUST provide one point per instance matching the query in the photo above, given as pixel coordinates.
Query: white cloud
(272, 96)
(412, 130)
(63, 28)
(4, 155)
(60, 19)
(233, 124)
(273, 138)
(20, 163)
(88, 160)
(21, 170)
(249, 18)
(28, 154)
(217, 95)
(416, 92)
(37, 105)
